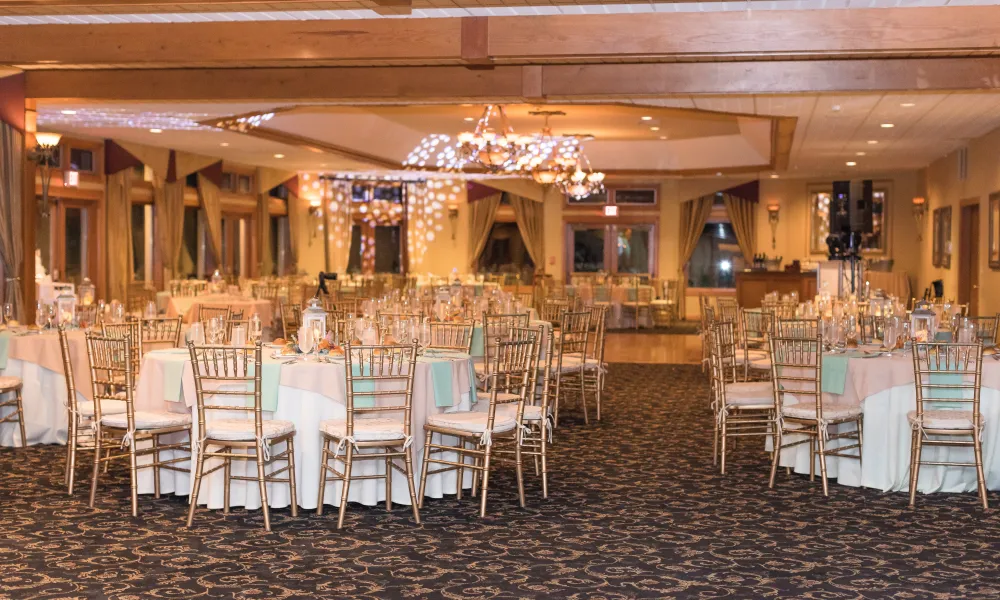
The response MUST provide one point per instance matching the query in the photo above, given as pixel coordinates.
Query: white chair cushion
(473, 422)
(752, 393)
(108, 407)
(831, 411)
(9, 382)
(943, 419)
(365, 430)
(501, 397)
(572, 363)
(242, 430)
(531, 412)
(147, 419)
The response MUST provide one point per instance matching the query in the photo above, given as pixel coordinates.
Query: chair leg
(519, 468)
(227, 472)
(918, 444)
(324, 458)
(98, 435)
(71, 447)
(156, 466)
(198, 470)
(460, 472)
(409, 483)
(583, 394)
(263, 486)
(555, 409)
(486, 480)
(776, 455)
(822, 458)
(388, 483)
(423, 469)
(543, 450)
(980, 476)
(133, 476)
(722, 452)
(291, 477)
(348, 463)
(20, 418)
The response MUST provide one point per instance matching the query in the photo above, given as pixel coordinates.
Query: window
(819, 222)
(716, 257)
(188, 265)
(588, 249)
(191, 180)
(387, 249)
(354, 256)
(635, 196)
(81, 160)
(633, 249)
(139, 242)
(601, 198)
(505, 251)
(228, 180)
(76, 244)
(624, 248)
(243, 184)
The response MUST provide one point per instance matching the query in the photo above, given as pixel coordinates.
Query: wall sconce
(43, 155)
(773, 213)
(453, 219)
(919, 208)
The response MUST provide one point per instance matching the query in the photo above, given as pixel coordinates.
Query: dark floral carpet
(635, 511)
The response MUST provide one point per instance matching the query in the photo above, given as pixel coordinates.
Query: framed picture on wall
(994, 237)
(942, 238)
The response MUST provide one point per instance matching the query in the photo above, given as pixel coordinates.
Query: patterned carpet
(635, 511)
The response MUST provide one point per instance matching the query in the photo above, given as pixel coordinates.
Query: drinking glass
(197, 334)
(256, 329)
(316, 333)
(306, 340)
(40, 317)
(150, 310)
(8, 313)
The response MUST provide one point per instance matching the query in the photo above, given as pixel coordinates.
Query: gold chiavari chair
(110, 363)
(797, 328)
(593, 366)
(207, 313)
(342, 329)
(527, 299)
(986, 329)
(130, 329)
(742, 409)
(512, 377)
(727, 309)
(707, 314)
(757, 327)
(552, 309)
(266, 290)
(665, 308)
(237, 315)
(639, 302)
(291, 318)
(496, 327)
(10, 386)
(379, 382)
(571, 353)
(226, 378)
(88, 316)
(797, 373)
(387, 318)
(80, 414)
(948, 381)
(872, 328)
(138, 299)
(160, 332)
(452, 336)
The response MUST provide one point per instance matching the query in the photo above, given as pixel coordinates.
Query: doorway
(968, 258)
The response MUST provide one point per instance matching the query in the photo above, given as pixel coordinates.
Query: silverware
(290, 362)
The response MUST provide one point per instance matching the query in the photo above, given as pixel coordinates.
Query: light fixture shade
(48, 140)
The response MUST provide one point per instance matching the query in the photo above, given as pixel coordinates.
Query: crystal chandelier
(582, 180)
(493, 143)
(547, 158)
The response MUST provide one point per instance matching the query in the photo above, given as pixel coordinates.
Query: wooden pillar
(18, 111)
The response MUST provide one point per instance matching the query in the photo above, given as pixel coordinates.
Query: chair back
(797, 328)
(227, 379)
(496, 327)
(948, 377)
(553, 308)
(207, 313)
(380, 380)
(130, 330)
(88, 316)
(160, 332)
(67, 361)
(797, 371)
(452, 336)
(574, 334)
(986, 329)
(727, 309)
(757, 326)
(721, 340)
(598, 327)
(291, 317)
(514, 371)
(342, 329)
(111, 367)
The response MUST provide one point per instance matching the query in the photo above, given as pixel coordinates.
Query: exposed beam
(550, 38)
(378, 85)
(476, 41)
(392, 7)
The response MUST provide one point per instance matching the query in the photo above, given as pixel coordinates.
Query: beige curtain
(157, 159)
(743, 216)
(266, 179)
(296, 227)
(530, 222)
(119, 234)
(11, 202)
(482, 213)
(694, 214)
(168, 202)
(211, 203)
(186, 163)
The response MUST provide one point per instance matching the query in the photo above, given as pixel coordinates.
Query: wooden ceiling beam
(532, 83)
(550, 38)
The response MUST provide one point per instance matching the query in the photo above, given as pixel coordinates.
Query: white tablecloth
(44, 399)
(308, 394)
(188, 307)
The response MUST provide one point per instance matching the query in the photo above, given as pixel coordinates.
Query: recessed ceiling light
(68, 112)
(155, 130)
(469, 119)
(835, 108)
(859, 153)
(224, 144)
(654, 128)
(887, 125)
(872, 142)
(774, 175)
(663, 137)
(908, 104)
(279, 156)
(719, 174)
(850, 163)
(646, 118)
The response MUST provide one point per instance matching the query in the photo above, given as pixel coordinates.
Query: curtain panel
(296, 227)
(743, 216)
(530, 222)
(694, 215)
(11, 203)
(211, 203)
(482, 214)
(168, 202)
(119, 234)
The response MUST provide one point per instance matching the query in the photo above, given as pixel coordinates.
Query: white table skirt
(44, 400)
(886, 459)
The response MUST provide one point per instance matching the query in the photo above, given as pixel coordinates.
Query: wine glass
(8, 313)
(306, 340)
(256, 329)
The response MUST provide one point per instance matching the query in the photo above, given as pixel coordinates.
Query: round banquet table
(884, 388)
(307, 393)
(189, 306)
(618, 296)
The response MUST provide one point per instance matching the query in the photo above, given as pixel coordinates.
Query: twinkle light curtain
(11, 247)
(119, 233)
(337, 232)
(694, 215)
(530, 216)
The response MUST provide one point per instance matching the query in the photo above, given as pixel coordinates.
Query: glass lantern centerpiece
(65, 308)
(923, 322)
(88, 293)
(314, 318)
(218, 282)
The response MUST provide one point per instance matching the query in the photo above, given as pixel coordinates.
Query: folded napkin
(270, 381)
(942, 336)
(4, 347)
(441, 374)
(362, 388)
(835, 372)
(478, 347)
(944, 378)
(173, 373)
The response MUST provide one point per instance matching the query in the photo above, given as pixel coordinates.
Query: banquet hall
(499, 299)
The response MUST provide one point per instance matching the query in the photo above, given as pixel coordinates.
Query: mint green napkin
(441, 380)
(942, 378)
(473, 392)
(835, 372)
(478, 347)
(942, 336)
(173, 372)
(270, 381)
(361, 388)
(4, 347)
